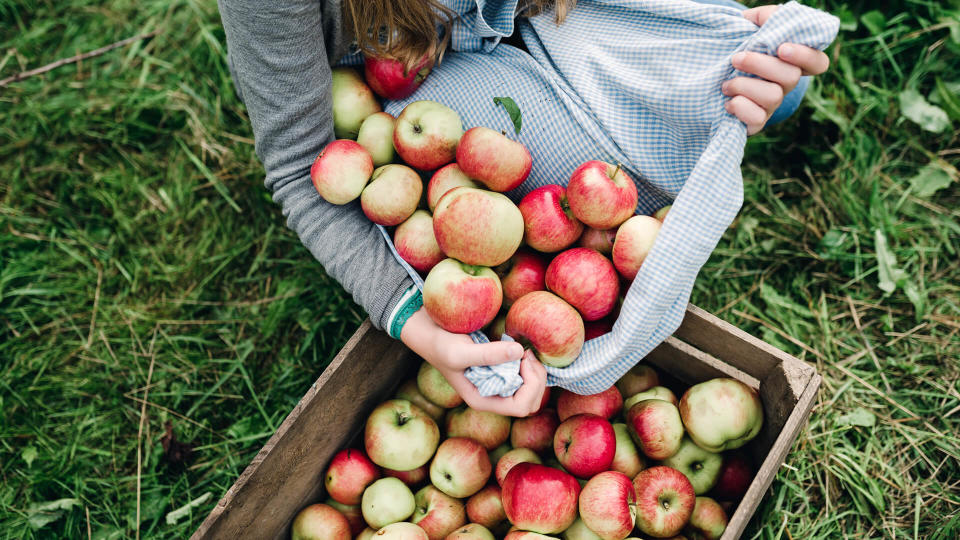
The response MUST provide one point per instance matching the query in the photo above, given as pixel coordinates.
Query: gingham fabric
(635, 82)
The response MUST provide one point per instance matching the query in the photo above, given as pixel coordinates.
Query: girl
(281, 53)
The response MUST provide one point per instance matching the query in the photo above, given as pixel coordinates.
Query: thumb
(495, 352)
(759, 15)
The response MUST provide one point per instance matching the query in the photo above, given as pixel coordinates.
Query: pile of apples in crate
(631, 461)
(459, 230)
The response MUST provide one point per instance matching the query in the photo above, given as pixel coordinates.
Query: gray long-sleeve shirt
(280, 55)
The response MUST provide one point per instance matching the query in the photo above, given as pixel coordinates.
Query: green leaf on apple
(512, 109)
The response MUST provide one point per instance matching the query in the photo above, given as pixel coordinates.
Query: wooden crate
(287, 474)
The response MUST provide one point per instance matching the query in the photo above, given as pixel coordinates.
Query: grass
(147, 280)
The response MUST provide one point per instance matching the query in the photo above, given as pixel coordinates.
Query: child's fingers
(769, 68)
(759, 15)
(748, 112)
(764, 93)
(809, 60)
(488, 354)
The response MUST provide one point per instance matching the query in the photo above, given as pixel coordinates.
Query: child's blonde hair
(407, 29)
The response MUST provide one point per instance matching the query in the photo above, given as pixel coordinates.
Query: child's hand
(452, 353)
(755, 100)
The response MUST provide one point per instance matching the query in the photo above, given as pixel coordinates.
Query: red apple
(471, 531)
(352, 101)
(460, 467)
(585, 445)
(486, 508)
(492, 159)
(657, 392)
(487, 428)
(477, 227)
(540, 499)
(437, 513)
(627, 458)
(446, 178)
(595, 329)
(721, 414)
(320, 521)
(665, 501)
(535, 432)
(461, 298)
(634, 241)
(416, 243)
(340, 171)
(426, 134)
(434, 386)
(376, 136)
(353, 514)
(586, 279)
(661, 214)
(412, 478)
(736, 474)
(640, 378)
(399, 435)
(525, 272)
(411, 393)
(349, 473)
(548, 223)
(708, 520)
(608, 505)
(605, 404)
(495, 329)
(401, 530)
(517, 534)
(552, 328)
(656, 428)
(511, 458)
(598, 239)
(391, 79)
(392, 194)
(601, 195)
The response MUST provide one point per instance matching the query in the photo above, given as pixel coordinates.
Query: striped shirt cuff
(409, 303)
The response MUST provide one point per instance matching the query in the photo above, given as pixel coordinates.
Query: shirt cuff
(409, 303)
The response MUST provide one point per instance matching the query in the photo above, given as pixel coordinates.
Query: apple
(608, 505)
(400, 436)
(376, 136)
(492, 159)
(416, 243)
(627, 458)
(460, 468)
(349, 473)
(437, 513)
(461, 298)
(586, 279)
(734, 479)
(340, 171)
(353, 102)
(446, 178)
(655, 426)
(701, 467)
(600, 240)
(352, 512)
(585, 445)
(392, 194)
(426, 134)
(412, 478)
(511, 458)
(487, 428)
(495, 329)
(523, 273)
(486, 508)
(605, 404)
(595, 329)
(498, 452)
(548, 223)
(517, 534)
(410, 392)
(366, 534)
(543, 322)
(634, 241)
(721, 414)
(539, 498)
(580, 531)
(535, 432)
(434, 386)
(657, 392)
(708, 520)
(661, 214)
(665, 501)
(401, 531)
(640, 378)
(387, 501)
(391, 79)
(601, 195)
(471, 531)
(477, 227)
(320, 522)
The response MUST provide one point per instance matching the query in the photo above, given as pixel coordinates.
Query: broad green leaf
(43, 514)
(930, 180)
(858, 417)
(916, 108)
(833, 244)
(848, 21)
(888, 272)
(948, 100)
(875, 21)
(184, 511)
(29, 454)
(773, 298)
(512, 109)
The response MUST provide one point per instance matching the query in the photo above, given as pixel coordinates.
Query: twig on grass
(96, 304)
(76, 58)
(143, 418)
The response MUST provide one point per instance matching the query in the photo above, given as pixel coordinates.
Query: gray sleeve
(280, 66)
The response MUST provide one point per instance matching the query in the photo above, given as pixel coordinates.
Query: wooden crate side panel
(287, 473)
(691, 365)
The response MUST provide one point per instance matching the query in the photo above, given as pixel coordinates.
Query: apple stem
(614, 175)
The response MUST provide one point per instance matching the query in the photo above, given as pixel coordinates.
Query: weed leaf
(176, 515)
(43, 514)
(930, 180)
(948, 100)
(916, 108)
(857, 417)
(512, 109)
(29, 454)
(890, 275)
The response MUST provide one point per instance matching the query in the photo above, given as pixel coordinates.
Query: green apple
(387, 501)
(400, 436)
(460, 468)
(376, 135)
(657, 392)
(471, 531)
(434, 386)
(401, 531)
(579, 531)
(721, 414)
(626, 459)
(701, 467)
(438, 513)
(353, 102)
